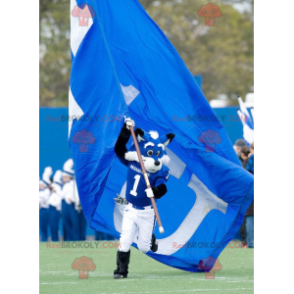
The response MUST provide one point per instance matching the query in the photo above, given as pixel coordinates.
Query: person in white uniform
(82, 223)
(44, 194)
(55, 205)
(69, 214)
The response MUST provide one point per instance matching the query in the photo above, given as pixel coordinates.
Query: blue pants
(44, 221)
(103, 236)
(70, 220)
(250, 231)
(54, 223)
(82, 226)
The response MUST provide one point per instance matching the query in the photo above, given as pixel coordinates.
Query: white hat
(46, 175)
(68, 168)
(57, 177)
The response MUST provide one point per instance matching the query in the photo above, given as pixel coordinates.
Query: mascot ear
(139, 134)
(166, 139)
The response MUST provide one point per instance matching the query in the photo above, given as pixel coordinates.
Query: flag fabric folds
(123, 64)
(247, 121)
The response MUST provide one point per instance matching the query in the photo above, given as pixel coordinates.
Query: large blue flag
(123, 64)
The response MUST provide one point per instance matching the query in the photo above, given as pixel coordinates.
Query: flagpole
(161, 230)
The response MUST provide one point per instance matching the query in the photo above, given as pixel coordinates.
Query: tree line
(222, 54)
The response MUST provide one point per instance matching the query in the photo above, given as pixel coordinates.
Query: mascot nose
(157, 163)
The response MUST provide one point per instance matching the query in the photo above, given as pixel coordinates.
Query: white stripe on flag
(77, 32)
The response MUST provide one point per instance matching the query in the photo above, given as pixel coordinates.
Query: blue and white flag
(247, 121)
(123, 64)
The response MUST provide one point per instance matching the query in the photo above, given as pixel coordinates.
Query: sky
(242, 7)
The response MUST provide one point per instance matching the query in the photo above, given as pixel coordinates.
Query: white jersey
(44, 198)
(68, 192)
(55, 197)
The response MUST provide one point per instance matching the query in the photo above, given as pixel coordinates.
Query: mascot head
(152, 148)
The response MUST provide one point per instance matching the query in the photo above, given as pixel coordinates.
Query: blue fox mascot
(139, 217)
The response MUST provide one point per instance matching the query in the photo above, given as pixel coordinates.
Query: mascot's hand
(129, 123)
(149, 192)
(159, 191)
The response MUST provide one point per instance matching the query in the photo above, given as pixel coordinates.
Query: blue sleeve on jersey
(163, 177)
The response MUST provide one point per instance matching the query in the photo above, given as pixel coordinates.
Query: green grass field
(145, 274)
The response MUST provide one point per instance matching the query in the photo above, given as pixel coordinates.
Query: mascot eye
(149, 152)
(157, 153)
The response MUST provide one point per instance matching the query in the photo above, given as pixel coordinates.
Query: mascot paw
(129, 123)
(149, 192)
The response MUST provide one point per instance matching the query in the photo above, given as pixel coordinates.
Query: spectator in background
(237, 147)
(44, 194)
(247, 156)
(250, 164)
(241, 234)
(249, 216)
(250, 212)
(244, 154)
(55, 205)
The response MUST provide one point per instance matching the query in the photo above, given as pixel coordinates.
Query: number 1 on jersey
(137, 179)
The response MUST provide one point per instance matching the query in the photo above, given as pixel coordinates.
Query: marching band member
(55, 205)
(81, 218)
(69, 214)
(44, 195)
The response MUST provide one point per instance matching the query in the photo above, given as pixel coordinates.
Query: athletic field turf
(145, 274)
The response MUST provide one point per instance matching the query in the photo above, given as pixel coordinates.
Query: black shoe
(154, 244)
(122, 261)
(119, 276)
